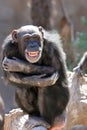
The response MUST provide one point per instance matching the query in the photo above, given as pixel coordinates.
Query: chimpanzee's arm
(10, 51)
(36, 81)
(11, 67)
(17, 65)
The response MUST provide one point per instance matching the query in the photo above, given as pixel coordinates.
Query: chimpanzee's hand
(12, 65)
(41, 80)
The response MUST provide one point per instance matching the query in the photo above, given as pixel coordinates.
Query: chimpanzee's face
(30, 42)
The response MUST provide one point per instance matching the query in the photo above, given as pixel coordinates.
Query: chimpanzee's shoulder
(52, 38)
(7, 42)
(54, 42)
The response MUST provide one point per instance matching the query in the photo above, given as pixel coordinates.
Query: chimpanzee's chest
(45, 60)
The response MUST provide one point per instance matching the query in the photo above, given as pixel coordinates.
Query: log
(16, 119)
(77, 107)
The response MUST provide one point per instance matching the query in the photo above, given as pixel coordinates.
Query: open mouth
(32, 56)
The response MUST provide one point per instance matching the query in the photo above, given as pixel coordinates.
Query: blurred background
(68, 17)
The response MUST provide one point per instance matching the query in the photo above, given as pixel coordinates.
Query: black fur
(48, 102)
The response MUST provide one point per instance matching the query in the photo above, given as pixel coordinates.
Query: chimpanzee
(34, 61)
(82, 66)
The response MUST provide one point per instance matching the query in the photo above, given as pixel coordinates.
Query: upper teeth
(33, 53)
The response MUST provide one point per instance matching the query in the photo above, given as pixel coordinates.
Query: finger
(38, 76)
(55, 76)
(4, 65)
(6, 69)
(5, 60)
(42, 75)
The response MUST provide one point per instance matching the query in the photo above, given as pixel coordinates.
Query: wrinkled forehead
(29, 29)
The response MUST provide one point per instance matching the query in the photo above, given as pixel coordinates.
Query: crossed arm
(12, 67)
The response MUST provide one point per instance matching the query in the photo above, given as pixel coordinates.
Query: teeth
(33, 53)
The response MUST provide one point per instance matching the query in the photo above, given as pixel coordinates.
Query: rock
(77, 107)
(18, 120)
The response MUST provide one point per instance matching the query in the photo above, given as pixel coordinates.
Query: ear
(14, 35)
(41, 30)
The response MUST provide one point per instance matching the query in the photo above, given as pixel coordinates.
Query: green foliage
(84, 20)
(81, 41)
(80, 44)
